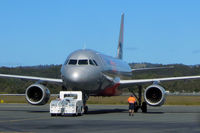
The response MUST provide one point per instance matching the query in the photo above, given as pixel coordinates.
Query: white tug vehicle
(68, 103)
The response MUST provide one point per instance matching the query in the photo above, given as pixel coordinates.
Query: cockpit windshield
(83, 62)
(91, 62)
(72, 62)
(95, 62)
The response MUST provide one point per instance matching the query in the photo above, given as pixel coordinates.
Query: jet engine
(154, 95)
(37, 94)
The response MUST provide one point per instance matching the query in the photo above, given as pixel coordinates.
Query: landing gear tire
(144, 107)
(136, 107)
(85, 109)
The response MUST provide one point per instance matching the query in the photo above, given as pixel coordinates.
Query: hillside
(53, 71)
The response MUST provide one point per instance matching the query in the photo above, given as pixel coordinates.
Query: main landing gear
(140, 105)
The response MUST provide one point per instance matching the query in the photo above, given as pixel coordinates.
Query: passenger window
(72, 62)
(83, 62)
(91, 62)
(95, 62)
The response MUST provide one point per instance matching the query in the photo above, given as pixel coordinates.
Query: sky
(43, 32)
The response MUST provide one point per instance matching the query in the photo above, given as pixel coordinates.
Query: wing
(151, 68)
(53, 95)
(32, 78)
(142, 81)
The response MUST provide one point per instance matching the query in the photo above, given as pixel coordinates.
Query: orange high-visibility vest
(131, 100)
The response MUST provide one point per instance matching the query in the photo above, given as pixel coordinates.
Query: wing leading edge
(152, 68)
(141, 81)
(32, 78)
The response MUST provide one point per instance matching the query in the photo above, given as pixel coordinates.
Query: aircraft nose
(74, 75)
(79, 76)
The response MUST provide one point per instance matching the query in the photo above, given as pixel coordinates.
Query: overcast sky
(47, 31)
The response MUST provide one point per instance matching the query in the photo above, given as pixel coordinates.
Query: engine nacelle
(37, 94)
(154, 95)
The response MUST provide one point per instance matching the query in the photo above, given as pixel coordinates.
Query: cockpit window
(72, 62)
(83, 62)
(95, 62)
(66, 62)
(91, 62)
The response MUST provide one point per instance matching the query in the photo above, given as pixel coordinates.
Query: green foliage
(115, 100)
(11, 85)
(178, 70)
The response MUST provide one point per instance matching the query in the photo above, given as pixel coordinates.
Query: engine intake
(37, 94)
(154, 95)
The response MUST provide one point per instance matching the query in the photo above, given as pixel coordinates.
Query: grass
(116, 100)
(183, 100)
(170, 100)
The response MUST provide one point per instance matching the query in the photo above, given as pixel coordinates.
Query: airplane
(96, 74)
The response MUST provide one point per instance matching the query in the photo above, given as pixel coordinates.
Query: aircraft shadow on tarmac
(38, 111)
(106, 111)
(154, 112)
(101, 111)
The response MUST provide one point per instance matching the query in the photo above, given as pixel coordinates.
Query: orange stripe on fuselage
(111, 91)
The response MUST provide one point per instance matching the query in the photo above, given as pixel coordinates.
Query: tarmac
(100, 119)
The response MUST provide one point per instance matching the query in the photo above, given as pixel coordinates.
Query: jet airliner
(96, 74)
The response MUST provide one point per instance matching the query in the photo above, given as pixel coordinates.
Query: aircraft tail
(121, 39)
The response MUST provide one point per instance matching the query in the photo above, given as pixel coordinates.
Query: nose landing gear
(85, 98)
(85, 109)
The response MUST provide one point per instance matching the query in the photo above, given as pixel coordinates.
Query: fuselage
(94, 73)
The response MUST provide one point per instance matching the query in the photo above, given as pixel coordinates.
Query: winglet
(121, 39)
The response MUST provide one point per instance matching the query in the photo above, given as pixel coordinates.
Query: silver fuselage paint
(92, 79)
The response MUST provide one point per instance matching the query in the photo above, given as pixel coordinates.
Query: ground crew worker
(131, 101)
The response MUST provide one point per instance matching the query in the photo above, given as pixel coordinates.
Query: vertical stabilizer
(121, 39)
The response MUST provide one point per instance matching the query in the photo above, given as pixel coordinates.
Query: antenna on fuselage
(121, 39)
